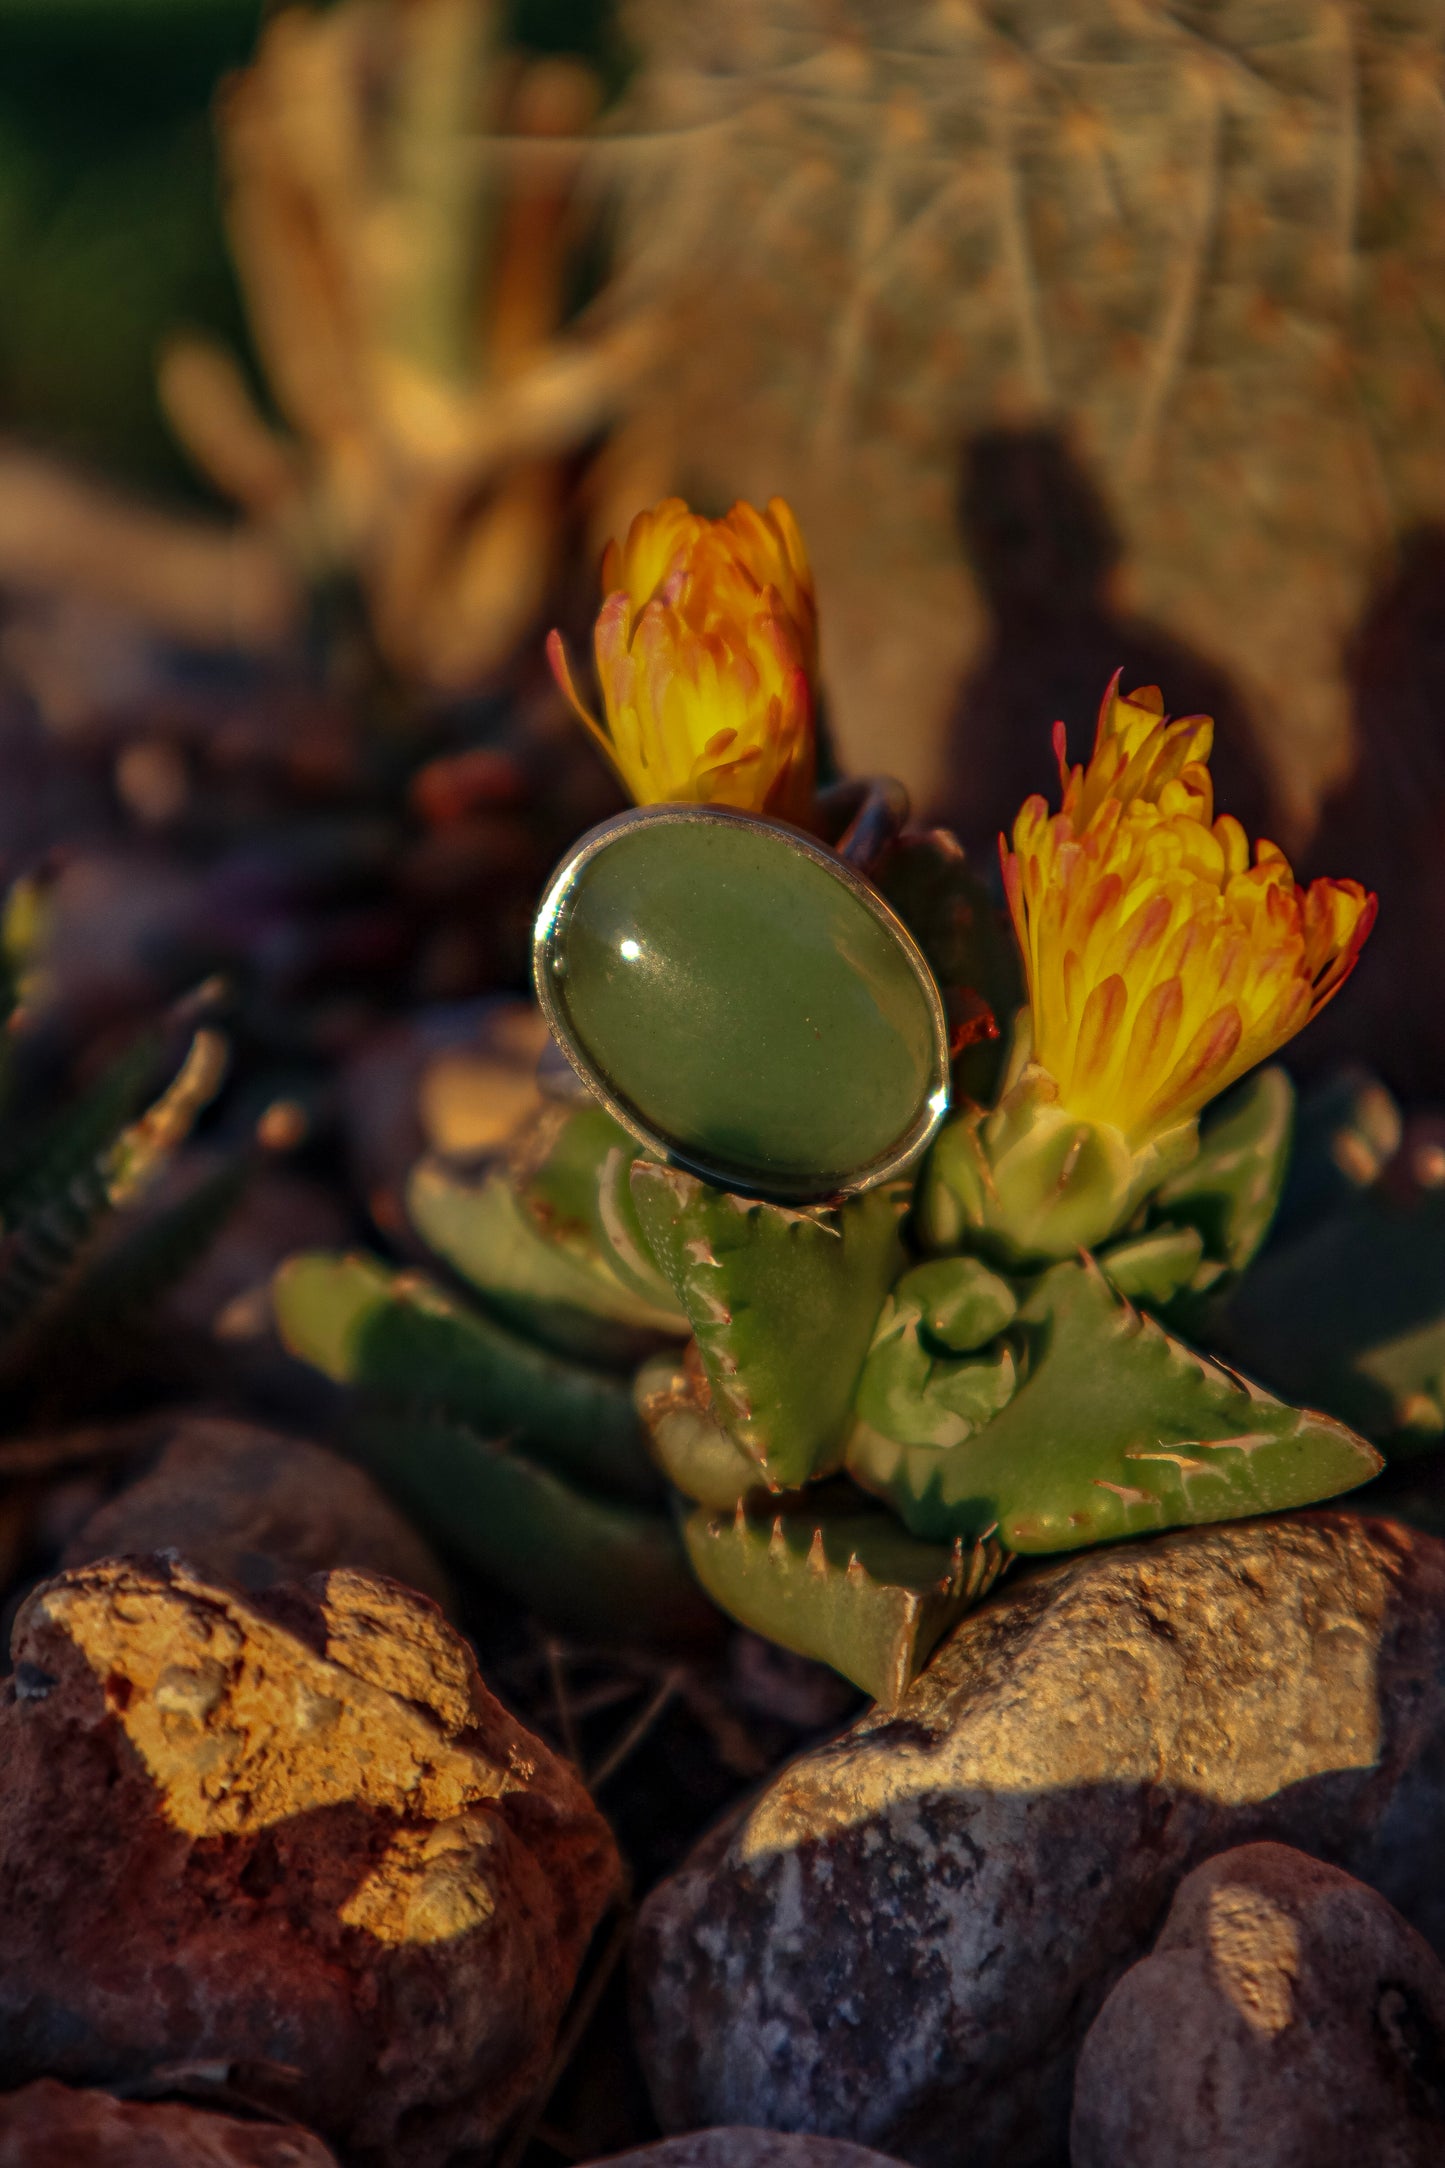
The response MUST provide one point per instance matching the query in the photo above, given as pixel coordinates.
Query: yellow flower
(1161, 964)
(706, 649)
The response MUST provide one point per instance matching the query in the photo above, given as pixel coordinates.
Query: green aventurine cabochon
(743, 1001)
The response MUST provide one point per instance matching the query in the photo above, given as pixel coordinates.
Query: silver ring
(551, 916)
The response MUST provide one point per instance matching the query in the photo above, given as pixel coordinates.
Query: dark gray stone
(904, 1939)
(1288, 2018)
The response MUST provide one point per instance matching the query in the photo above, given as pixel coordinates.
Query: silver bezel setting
(551, 916)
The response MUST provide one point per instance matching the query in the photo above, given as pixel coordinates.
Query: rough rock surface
(46, 2125)
(1288, 2018)
(736, 2147)
(455, 1078)
(908, 1934)
(245, 1505)
(294, 1831)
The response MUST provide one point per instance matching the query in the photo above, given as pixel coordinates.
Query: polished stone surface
(745, 1003)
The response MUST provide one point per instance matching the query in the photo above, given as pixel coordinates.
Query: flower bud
(706, 652)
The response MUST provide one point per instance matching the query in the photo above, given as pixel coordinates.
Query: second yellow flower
(706, 652)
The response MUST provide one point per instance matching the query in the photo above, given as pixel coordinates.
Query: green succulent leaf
(782, 1304)
(1351, 1314)
(1116, 1429)
(689, 1444)
(587, 1565)
(41, 1162)
(22, 936)
(550, 1240)
(88, 1170)
(396, 1336)
(913, 1393)
(1155, 1267)
(961, 1304)
(571, 1168)
(1230, 1191)
(1027, 1182)
(484, 1231)
(849, 1588)
(117, 1288)
(40, 1256)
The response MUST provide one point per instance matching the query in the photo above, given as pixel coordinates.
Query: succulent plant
(872, 1381)
(79, 1262)
(530, 1463)
(1346, 1305)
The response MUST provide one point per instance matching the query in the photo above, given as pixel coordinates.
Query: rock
(294, 1832)
(1288, 2018)
(470, 1100)
(735, 2147)
(908, 1934)
(247, 1506)
(456, 1076)
(46, 2125)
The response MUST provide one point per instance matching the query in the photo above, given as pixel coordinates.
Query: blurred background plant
(1076, 339)
(313, 744)
(336, 338)
(401, 205)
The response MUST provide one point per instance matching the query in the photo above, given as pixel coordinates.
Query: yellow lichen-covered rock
(293, 1831)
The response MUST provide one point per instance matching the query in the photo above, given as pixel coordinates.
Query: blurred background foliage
(110, 223)
(1079, 335)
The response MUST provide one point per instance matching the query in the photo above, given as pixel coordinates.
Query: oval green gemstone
(742, 998)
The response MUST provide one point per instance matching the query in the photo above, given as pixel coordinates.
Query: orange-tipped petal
(706, 647)
(1160, 963)
(561, 666)
(1104, 1012)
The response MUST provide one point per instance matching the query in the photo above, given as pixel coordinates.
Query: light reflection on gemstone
(784, 1036)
